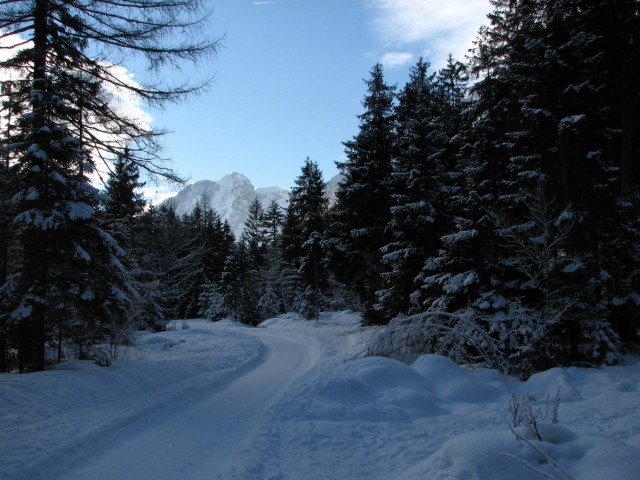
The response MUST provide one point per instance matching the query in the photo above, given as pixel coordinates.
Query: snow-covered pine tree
(147, 273)
(70, 268)
(537, 331)
(254, 234)
(217, 239)
(69, 264)
(5, 242)
(179, 251)
(211, 302)
(595, 45)
(412, 190)
(122, 217)
(243, 279)
(314, 276)
(305, 222)
(512, 136)
(277, 296)
(272, 222)
(428, 117)
(563, 66)
(362, 210)
(241, 285)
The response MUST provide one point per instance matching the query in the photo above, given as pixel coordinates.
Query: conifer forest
(488, 210)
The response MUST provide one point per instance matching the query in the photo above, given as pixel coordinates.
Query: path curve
(197, 439)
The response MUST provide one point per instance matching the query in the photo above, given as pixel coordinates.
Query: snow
(80, 211)
(569, 121)
(573, 267)
(230, 197)
(295, 399)
(460, 236)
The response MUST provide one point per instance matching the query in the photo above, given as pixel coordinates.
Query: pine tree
(536, 242)
(272, 221)
(254, 235)
(211, 302)
(70, 267)
(306, 210)
(240, 285)
(6, 243)
(413, 190)
(558, 67)
(179, 253)
(218, 240)
(123, 189)
(362, 209)
(302, 240)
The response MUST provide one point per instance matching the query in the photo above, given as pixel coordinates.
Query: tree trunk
(626, 167)
(32, 336)
(4, 364)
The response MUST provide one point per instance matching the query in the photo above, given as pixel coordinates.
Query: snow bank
(45, 414)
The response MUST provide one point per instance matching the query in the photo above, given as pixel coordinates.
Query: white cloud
(157, 194)
(396, 59)
(431, 28)
(126, 102)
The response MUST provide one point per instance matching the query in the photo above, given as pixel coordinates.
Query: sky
(289, 80)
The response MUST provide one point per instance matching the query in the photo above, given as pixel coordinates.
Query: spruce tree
(123, 189)
(254, 235)
(544, 115)
(272, 221)
(179, 253)
(240, 285)
(362, 210)
(303, 243)
(70, 267)
(413, 189)
(306, 210)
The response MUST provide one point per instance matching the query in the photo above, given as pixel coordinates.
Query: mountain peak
(230, 197)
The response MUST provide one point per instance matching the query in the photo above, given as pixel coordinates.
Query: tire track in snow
(199, 438)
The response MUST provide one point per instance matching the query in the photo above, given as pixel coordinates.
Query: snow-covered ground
(294, 399)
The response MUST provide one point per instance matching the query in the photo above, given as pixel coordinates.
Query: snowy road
(295, 400)
(198, 438)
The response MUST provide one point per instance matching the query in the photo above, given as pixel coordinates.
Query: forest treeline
(487, 211)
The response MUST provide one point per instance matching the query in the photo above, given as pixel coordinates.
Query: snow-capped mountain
(331, 188)
(232, 195)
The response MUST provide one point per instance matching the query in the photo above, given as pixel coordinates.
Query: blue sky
(289, 80)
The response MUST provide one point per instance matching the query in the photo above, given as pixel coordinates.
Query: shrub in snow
(527, 424)
(523, 414)
(310, 302)
(526, 337)
(270, 304)
(102, 357)
(211, 302)
(604, 344)
(455, 335)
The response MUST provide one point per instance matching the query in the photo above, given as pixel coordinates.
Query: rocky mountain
(231, 196)
(332, 187)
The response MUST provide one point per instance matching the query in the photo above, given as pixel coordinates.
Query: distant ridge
(231, 197)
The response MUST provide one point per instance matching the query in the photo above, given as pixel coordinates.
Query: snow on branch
(455, 335)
